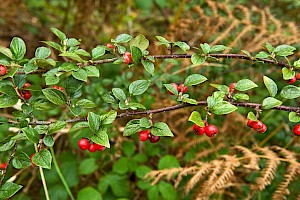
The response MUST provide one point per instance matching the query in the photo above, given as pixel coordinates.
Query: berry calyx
(26, 94)
(26, 85)
(31, 160)
(3, 70)
(198, 130)
(3, 166)
(109, 45)
(263, 129)
(144, 135)
(182, 88)
(92, 148)
(175, 86)
(83, 144)
(127, 57)
(292, 80)
(250, 123)
(257, 126)
(231, 87)
(211, 130)
(99, 147)
(153, 138)
(296, 130)
(58, 88)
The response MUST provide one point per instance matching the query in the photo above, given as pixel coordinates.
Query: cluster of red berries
(3, 166)
(146, 135)
(231, 87)
(294, 79)
(58, 88)
(26, 94)
(109, 45)
(296, 130)
(180, 88)
(209, 129)
(84, 144)
(127, 57)
(3, 70)
(257, 126)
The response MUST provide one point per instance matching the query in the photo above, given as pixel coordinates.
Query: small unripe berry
(3, 166)
(175, 86)
(257, 126)
(198, 130)
(153, 138)
(99, 147)
(92, 148)
(296, 130)
(3, 70)
(109, 45)
(83, 144)
(26, 85)
(292, 80)
(58, 88)
(182, 88)
(231, 87)
(211, 130)
(144, 135)
(127, 57)
(263, 129)
(26, 94)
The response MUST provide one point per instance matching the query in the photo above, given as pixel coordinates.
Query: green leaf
(138, 87)
(101, 137)
(294, 117)
(72, 56)
(195, 117)
(78, 126)
(142, 170)
(161, 129)
(7, 145)
(182, 45)
(168, 162)
(149, 66)
(217, 48)
(222, 108)
(97, 52)
(31, 134)
(128, 148)
(132, 127)
(269, 47)
(109, 117)
(76, 110)
(287, 73)
(94, 121)
(189, 100)
(290, 92)
(271, 86)
(167, 191)
(72, 42)
(211, 102)
(145, 123)
(136, 54)
(218, 96)
(262, 55)
(59, 34)
(92, 71)
(21, 160)
(48, 140)
(123, 38)
(284, 50)
(247, 53)
(119, 94)
(28, 68)
(42, 103)
(140, 41)
(89, 193)
(85, 103)
(297, 63)
(240, 96)
(163, 41)
(80, 74)
(82, 52)
(8, 189)
(53, 45)
(67, 67)
(55, 96)
(18, 48)
(205, 48)
(223, 88)
(251, 116)
(171, 88)
(108, 98)
(194, 79)
(7, 52)
(244, 85)
(87, 166)
(270, 102)
(51, 79)
(8, 100)
(43, 159)
(197, 59)
(56, 126)
(42, 52)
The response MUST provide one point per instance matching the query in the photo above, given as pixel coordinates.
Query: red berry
(58, 88)
(153, 138)
(296, 130)
(250, 123)
(263, 129)
(298, 76)
(109, 45)
(92, 148)
(175, 86)
(26, 85)
(292, 80)
(99, 147)
(127, 57)
(3, 70)
(31, 160)
(198, 129)
(257, 126)
(211, 130)
(83, 144)
(144, 135)
(3, 166)
(231, 87)
(182, 88)
(26, 94)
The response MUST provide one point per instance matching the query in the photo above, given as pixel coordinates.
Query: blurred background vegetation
(118, 172)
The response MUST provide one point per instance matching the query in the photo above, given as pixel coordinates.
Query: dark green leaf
(194, 79)
(136, 54)
(132, 127)
(53, 45)
(119, 94)
(72, 56)
(101, 137)
(28, 68)
(43, 159)
(87, 166)
(42, 52)
(56, 126)
(80, 74)
(55, 96)
(31, 134)
(97, 52)
(109, 117)
(244, 85)
(284, 50)
(108, 98)
(59, 34)
(8, 189)
(161, 129)
(205, 48)
(7, 52)
(270, 102)
(167, 191)
(145, 123)
(149, 66)
(168, 162)
(67, 66)
(138, 87)
(94, 121)
(72, 42)
(211, 102)
(7, 145)
(48, 140)
(271, 86)
(89, 193)
(92, 71)
(290, 92)
(222, 108)
(85, 103)
(18, 48)
(21, 160)
(78, 126)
